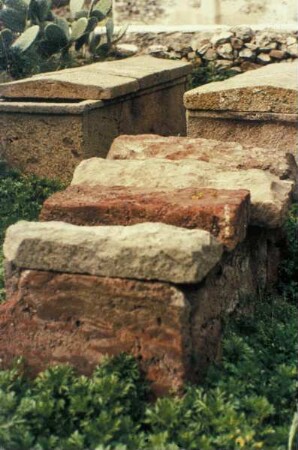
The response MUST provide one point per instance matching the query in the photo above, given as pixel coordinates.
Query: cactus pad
(79, 28)
(26, 39)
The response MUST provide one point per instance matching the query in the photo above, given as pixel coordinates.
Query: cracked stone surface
(149, 251)
(271, 89)
(229, 154)
(270, 196)
(224, 213)
(99, 81)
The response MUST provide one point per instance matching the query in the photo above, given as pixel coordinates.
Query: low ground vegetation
(247, 401)
(21, 198)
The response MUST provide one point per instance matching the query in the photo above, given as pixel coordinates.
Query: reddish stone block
(224, 213)
(174, 331)
(56, 318)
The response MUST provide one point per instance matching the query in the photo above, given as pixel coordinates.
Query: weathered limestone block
(256, 108)
(228, 154)
(149, 251)
(270, 197)
(80, 128)
(98, 81)
(223, 213)
(271, 89)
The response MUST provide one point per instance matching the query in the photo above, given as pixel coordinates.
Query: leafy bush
(33, 39)
(208, 73)
(60, 410)
(21, 197)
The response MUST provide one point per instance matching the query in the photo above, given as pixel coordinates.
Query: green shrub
(208, 73)
(21, 198)
(60, 410)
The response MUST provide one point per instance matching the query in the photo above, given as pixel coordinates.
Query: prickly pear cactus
(26, 39)
(6, 39)
(14, 17)
(39, 10)
(35, 39)
(55, 39)
(79, 28)
(101, 9)
(75, 7)
(63, 24)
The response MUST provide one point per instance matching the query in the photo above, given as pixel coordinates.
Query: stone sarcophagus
(256, 108)
(51, 122)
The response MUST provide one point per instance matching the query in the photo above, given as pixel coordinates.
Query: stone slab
(273, 89)
(70, 84)
(149, 251)
(99, 81)
(270, 197)
(225, 214)
(146, 70)
(221, 153)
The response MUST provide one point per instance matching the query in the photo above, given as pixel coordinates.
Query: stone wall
(238, 48)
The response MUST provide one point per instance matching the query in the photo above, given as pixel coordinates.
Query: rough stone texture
(270, 196)
(187, 42)
(225, 214)
(267, 132)
(271, 89)
(56, 318)
(149, 251)
(222, 153)
(82, 130)
(258, 108)
(174, 332)
(99, 81)
(242, 274)
(48, 146)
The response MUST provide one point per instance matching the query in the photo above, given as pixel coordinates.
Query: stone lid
(224, 213)
(272, 89)
(99, 81)
(270, 196)
(232, 155)
(147, 251)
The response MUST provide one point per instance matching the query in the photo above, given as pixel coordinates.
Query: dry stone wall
(238, 48)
